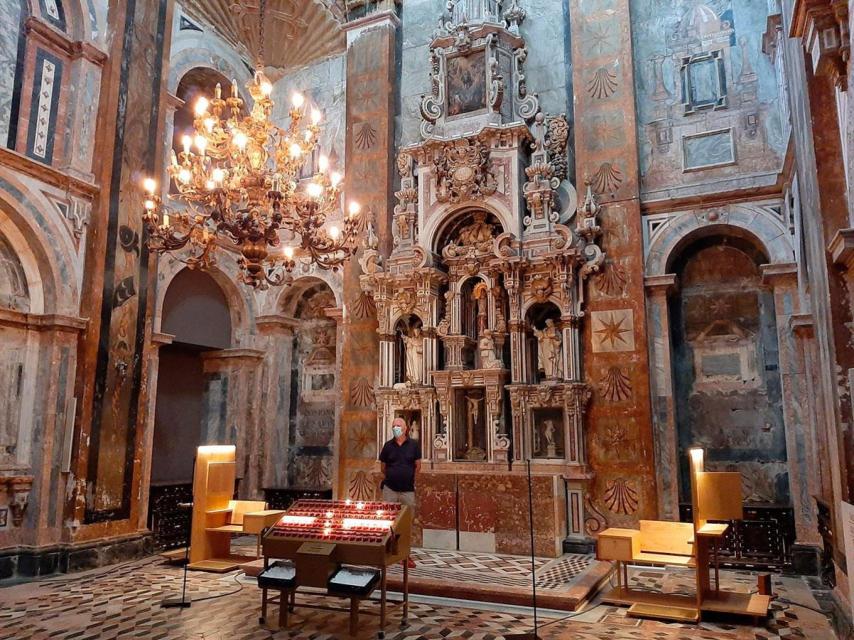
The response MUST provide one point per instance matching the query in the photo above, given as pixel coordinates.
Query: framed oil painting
(466, 83)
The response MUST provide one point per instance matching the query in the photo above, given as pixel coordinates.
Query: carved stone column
(658, 290)
(620, 442)
(371, 70)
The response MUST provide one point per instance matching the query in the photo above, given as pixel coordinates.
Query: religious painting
(466, 83)
(547, 433)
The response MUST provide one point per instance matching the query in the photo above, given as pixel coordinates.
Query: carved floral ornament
(463, 172)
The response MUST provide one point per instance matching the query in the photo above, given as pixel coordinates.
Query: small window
(703, 82)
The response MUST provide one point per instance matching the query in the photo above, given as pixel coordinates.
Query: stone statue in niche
(486, 346)
(549, 437)
(414, 344)
(414, 430)
(482, 318)
(473, 402)
(549, 350)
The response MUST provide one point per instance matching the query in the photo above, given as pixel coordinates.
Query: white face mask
(397, 431)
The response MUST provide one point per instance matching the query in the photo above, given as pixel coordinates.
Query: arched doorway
(728, 393)
(195, 311)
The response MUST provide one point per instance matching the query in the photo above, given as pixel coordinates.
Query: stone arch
(756, 223)
(289, 297)
(438, 223)
(47, 260)
(195, 57)
(241, 303)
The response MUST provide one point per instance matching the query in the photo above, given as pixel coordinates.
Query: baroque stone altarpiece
(481, 300)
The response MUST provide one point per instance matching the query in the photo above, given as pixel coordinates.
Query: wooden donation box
(217, 517)
(715, 496)
(320, 544)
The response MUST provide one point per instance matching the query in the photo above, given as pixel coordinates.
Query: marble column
(112, 385)
(658, 290)
(619, 427)
(371, 72)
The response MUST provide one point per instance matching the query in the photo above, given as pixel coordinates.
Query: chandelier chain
(262, 12)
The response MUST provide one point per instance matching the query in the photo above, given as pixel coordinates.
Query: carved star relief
(612, 331)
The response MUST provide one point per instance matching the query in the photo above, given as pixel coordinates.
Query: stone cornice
(779, 273)
(376, 19)
(274, 323)
(39, 322)
(60, 42)
(665, 283)
(233, 355)
(162, 339)
(47, 174)
(841, 248)
(802, 325)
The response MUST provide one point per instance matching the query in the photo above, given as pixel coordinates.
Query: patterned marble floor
(123, 602)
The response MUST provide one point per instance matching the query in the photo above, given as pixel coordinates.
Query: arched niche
(197, 82)
(196, 312)
(313, 385)
(725, 365)
(14, 292)
(543, 342)
(409, 350)
(454, 225)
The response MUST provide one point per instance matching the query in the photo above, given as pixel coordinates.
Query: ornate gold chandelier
(238, 183)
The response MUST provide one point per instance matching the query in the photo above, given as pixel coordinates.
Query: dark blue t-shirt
(400, 464)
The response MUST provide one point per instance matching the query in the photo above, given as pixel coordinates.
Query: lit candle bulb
(240, 140)
(218, 91)
(218, 175)
(184, 175)
(165, 219)
(335, 178)
(323, 164)
(149, 205)
(334, 232)
(297, 100)
(187, 141)
(266, 88)
(307, 135)
(354, 209)
(314, 190)
(201, 143)
(234, 93)
(201, 106)
(295, 150)
(150, 185)
(209, 124)
(315, 116)
(210, 185)
(289, 254)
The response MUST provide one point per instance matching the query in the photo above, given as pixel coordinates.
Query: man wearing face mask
(401, 460)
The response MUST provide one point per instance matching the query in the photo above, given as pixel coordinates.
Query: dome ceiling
(298, 32)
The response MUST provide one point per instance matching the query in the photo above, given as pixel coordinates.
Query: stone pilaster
(658, 290)
(112, 382)
(231, 410)
(798, 419)
(276, 340)
(371, 81)
(616, 364)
